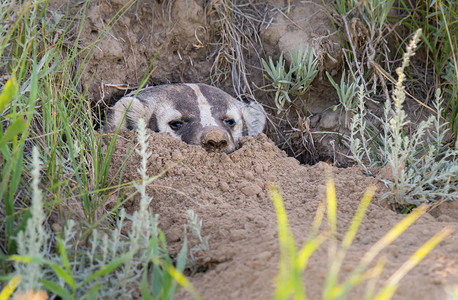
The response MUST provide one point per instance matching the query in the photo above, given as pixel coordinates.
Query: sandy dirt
(229, 193)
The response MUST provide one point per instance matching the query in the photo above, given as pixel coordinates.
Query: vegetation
(423, 169)
(293, 263)
(296, 81)
(93, 272)
(423, 163)
(111, 265)
(42, 108)
(51, 154)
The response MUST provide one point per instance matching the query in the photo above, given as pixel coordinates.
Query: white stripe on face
(206, 117)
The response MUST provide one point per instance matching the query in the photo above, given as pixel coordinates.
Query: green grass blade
(331, 205)
(56, 289)
(9, 91)
(308, 249)
(394, 233)
(93, 293)
(16, 128)
(318, 219)
(144, 289)
(182, 280)
(10, 287)
(156, 280)
(107, 269)
(63, 254)
(181, 263)
(289, 280)
(63, 274)
(386, 240)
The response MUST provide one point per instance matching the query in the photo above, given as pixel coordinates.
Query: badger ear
(255, 117)
(126, 113)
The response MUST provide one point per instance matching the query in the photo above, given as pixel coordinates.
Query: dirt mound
(229, 193)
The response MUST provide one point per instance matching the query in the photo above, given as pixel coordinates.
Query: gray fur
(198, 114)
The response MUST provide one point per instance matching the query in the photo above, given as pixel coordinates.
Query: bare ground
(229, 193)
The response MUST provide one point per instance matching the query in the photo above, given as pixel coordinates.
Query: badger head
(197, 114)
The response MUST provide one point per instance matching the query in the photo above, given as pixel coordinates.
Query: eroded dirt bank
(229, 193)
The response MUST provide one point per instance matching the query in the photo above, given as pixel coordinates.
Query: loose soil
(228, 192)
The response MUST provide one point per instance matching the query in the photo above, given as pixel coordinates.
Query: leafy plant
(12, 140)
(196, 227)
(294, 82)
(422, 169)
(112, 266)
(346, 92)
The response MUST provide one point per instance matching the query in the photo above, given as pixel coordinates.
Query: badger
(197, 114)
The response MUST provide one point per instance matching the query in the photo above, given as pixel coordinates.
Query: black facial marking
(152, 124)
(130, 124)
(185, 102)
(244, 128)
(218, 100)
(190, 132)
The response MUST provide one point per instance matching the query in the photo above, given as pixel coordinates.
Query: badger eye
(229, 122)
(175, 125)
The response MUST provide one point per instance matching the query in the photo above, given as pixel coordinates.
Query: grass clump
(439, 23)
(113, 265)
(237, 33)
(371, 31)
(365, 30)
(293, 262)
(43, 108)
(421, 168)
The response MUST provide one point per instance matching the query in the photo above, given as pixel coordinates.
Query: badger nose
(215, 141)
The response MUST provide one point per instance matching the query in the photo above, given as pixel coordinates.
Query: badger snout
(214, 139)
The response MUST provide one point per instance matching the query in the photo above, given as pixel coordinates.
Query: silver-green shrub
(34, 240)
(421, 168)
(196, 229)
(294, 82)
(112, 265)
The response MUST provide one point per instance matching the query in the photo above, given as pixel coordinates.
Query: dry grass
(236, 27)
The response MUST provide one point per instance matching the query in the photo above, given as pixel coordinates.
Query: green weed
(112, 265)
(294, 81)
(422, 168)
